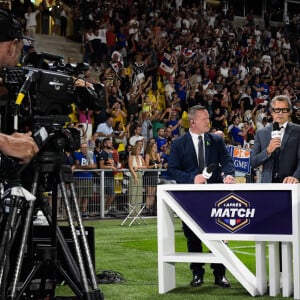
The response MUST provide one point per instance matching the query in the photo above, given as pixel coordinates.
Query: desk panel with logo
(259, 212)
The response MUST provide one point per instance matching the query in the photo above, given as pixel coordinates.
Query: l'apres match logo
(232, 212)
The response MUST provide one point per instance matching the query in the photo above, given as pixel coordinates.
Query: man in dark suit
(185, 166)
(279, 156)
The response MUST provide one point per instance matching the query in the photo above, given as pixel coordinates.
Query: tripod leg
(73, 232)
(26, 228)
(64, 246)
(35, 269)
(84, 239)
(5, 244)
(95, 294)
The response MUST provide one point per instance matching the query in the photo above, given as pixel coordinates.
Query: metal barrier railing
(109, 194)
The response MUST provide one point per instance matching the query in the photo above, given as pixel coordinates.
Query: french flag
(188, 53)
(166, 65)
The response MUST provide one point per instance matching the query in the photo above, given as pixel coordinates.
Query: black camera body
(49, 91)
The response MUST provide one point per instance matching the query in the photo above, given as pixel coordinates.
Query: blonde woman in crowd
(153, 161)
(136, 165)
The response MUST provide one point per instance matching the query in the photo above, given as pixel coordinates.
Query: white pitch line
(242, 247)
(243, 252)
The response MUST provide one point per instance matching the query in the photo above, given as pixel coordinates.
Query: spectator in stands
(257, 90)
(111, 39)
(122, 42)
(174, 103)
(236, 131)
(161, 139)
(259, 116)
(97, 150)
(88, 36)
(94, 46)
(85, 120)
(174, 123)
(56, 12)
(31, 21)
(246, 101)
(169, 87)
(249, 131)
(136, 165)
(164, 157)
(194, 98)
(218, 119)
(158, 121)
(128, 149)
(114, 97)
(295, 117)
(44, 9)
(152, 161)
(146, 125)
(181, 87)
(105, 129)
(121, 135)
(138, 68)
(84, 160)
(63, 21)
(118, 113)
(137, 135)
(107, 162)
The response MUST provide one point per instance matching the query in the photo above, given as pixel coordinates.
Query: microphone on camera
(276, 133)
(207, 172)
(30, 77)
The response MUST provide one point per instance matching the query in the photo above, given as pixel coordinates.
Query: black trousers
(194, 244)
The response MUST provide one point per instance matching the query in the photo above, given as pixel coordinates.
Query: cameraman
(17, 145)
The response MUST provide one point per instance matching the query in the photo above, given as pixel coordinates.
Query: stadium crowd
(153, 62)
(157, 61)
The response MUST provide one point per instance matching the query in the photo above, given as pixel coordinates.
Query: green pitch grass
(132, 251)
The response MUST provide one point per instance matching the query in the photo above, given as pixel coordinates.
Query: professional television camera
(39, 100)
(48, 91)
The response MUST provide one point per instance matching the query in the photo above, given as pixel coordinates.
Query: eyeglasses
(283, 110)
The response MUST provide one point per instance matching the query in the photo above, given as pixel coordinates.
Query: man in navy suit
(283, 147)
(184, 167)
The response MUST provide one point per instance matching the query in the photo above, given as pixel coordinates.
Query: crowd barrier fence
(104, 184)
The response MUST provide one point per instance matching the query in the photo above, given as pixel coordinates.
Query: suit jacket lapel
(268, 135)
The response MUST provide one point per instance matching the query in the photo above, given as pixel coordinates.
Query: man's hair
(193, 110)
(235, 117)
(281, 98)
(98, 143)
(105, 140)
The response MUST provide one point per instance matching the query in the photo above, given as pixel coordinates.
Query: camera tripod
(19, 206)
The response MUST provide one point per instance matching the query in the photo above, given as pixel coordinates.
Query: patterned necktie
(201, 162)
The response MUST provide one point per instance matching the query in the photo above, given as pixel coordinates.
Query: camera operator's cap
(10, 28)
